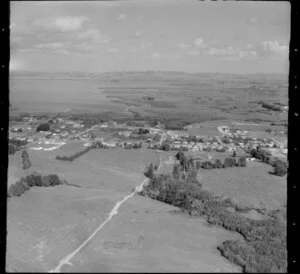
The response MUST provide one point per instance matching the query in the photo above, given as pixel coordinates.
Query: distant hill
(256, 77)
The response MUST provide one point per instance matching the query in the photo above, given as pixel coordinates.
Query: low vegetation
(271, 106)
(264, 246)
(35, 179)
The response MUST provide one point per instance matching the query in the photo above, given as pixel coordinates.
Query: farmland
(252, 186)
(140, 119)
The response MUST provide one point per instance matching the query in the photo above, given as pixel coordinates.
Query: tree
(43, 127)
(11, 149)
(184, 163)
(241, 162)
(207, 165)
(176, 171)
(149, 173)
(165, 147)
(229, 162)
(25, 160)
(280, 168)
(190, 163)
(226, 140)
(218, 163)
(179, 155)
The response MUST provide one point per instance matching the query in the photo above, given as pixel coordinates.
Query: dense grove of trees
(34, 179)
(15, 145)
(229, 162)
(264, 245)
(43, 127)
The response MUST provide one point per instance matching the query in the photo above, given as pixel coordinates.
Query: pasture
(46, 224)
(251, 185)
(130, 242)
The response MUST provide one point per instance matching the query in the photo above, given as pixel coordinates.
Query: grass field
(46, 224)
(149, 236)
(98, 168)
(252, 185)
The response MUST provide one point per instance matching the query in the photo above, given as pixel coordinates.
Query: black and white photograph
(148, 136)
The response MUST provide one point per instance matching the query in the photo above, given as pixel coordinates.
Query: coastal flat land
(47, 224)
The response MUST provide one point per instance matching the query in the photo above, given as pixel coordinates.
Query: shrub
(218, 163)
(229, 162)
(280, 168)
(207, 165)
(176, 171)
(11, 149)
(54, 180)
(25, 160)
(149, 172)
(226, 141)
(45, 181)
(43, 127)
(179, 155)
(241, 162)
(198, 164)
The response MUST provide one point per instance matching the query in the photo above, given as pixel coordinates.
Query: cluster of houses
(61, 130)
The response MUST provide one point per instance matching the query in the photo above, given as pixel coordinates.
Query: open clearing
(251, 185)
(47, 224)
(44, 224)
(130, 242)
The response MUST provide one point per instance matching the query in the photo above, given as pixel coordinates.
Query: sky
(187, 35)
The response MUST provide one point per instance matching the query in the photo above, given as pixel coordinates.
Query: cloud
(273, 47)
(247, 54)
(138, 33)
(94, 35)
(252, 20)
(156, 55)
(121, 16)
(199, 42)
(221, 51)
(230, 53)
(56, 45)
(15, 65)
(69, 23)
(136, 49)
(84, 46)
(193, 52)
(183, 46)
(112, 50)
